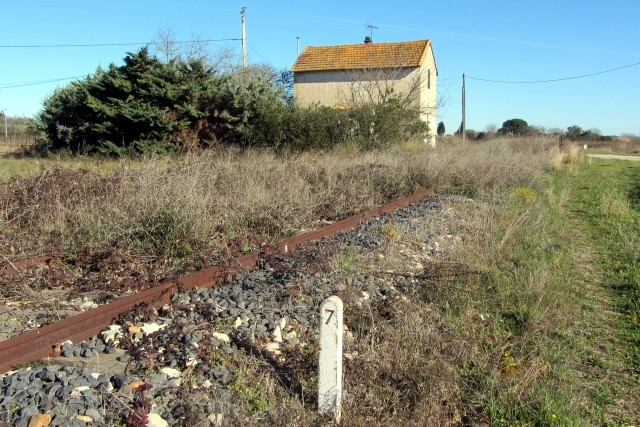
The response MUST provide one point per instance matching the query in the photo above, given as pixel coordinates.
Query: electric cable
(38, 46)
(554, 80)
(39, 82)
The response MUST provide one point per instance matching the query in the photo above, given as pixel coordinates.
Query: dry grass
(206, 200)
(571, 154)
(614, 205)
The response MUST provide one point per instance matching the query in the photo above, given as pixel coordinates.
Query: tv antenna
(371, 27)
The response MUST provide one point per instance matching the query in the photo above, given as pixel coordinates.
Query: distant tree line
(519, 127)
(147, 105)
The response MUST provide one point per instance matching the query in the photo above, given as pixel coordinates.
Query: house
(345, 76)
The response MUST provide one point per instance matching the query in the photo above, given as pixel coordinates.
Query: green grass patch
(547, 347)
(12, 165)
(607, 195)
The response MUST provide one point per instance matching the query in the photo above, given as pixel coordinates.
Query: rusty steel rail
(41, 343)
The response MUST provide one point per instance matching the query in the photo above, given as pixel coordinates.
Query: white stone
(95, 375)
(87, 305)
(221, 337)
(156, 420)
(283, 323)
(215, 420)
(111, 334)
(237, 323)
(277, 334)
(292, 334)
(77, 392)
(171, 373)
(207, 384)
(115, 327)
(273, 348)
(150, 328)
(364, 297)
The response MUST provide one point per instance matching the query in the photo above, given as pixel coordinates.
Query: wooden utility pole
(464, 110)
(244, 38)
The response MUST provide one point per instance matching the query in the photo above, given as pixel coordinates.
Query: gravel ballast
(270, 312)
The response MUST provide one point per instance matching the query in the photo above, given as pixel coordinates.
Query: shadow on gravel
(295, 373)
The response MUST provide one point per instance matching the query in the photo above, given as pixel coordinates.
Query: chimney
(367, 40)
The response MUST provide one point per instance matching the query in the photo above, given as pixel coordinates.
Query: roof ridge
(373, 43)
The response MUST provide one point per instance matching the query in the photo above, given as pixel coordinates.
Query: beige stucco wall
(428, 95)
(344, 88)
(341, 87)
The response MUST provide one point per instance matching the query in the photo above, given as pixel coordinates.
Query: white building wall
(346, 88)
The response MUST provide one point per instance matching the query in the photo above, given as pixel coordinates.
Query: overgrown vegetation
(169, 204)
(517, 324)
(147, 106)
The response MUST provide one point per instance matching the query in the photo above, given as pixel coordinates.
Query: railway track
(45, 341)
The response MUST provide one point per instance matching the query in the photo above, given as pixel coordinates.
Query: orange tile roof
(364, 55)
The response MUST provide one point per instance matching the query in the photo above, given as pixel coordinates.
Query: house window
(429, 79)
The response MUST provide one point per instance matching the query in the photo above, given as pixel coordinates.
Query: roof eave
(293, 69)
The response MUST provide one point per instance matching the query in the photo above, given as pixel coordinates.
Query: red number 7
(329, 318)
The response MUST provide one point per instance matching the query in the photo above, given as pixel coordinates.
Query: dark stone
(118, 381)
(28, 411)
(46, 403)
(21, 422)
(123, 358)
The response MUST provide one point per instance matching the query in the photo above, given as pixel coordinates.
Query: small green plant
(346, 259)
(525, 194)
(390, 232)
(253, 395)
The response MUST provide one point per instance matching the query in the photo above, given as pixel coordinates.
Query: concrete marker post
(330, 366)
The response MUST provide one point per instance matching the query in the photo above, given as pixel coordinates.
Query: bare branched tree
(197, 48)
(378, 85)
(381, 85)
(165, 43)
(409, 88)
(168, 47)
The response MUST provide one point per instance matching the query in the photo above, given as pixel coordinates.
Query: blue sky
(497, 40)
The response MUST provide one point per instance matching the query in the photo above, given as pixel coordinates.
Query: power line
(263, 58)
(555, 80)
(109, 44)
(39, 82)
(449, 78)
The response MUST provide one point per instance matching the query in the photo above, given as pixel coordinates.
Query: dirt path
(615, 157)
